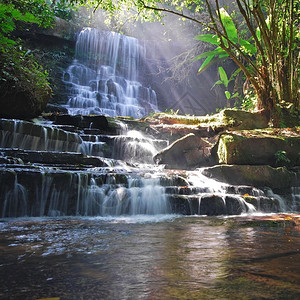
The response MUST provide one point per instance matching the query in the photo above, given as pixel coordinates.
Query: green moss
(186, 120)
(249, 199)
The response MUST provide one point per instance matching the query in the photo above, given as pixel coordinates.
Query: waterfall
(104, 77)
(81, 193)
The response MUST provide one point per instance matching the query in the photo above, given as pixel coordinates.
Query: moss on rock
(259, 148)
(227, 118)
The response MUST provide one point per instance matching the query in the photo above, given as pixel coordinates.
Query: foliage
(172, 112)
(249, 100)
(62, 9)
(224, 80)
(9, 15)
(268, 58)
(265, 45)
(281, 158)
(19, 71)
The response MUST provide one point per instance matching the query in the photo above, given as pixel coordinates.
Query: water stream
(147, 257)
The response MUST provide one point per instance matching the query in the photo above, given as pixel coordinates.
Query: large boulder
(240, 119)
(187, 152)
(259, 176)
(259, 148)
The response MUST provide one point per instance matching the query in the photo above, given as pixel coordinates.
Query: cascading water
(135, 147)
(99, 193)
(104, 77)
(50, 177)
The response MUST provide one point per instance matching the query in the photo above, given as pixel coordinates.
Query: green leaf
(234, 74)
(224, 55)
(235, 95)
(205, 64)
(250, 49)
(227, 94)
(217, 82)
(217, 51)
(258, 33)
(223, 76)
(16, 14)
(208, 38)
(228, 24)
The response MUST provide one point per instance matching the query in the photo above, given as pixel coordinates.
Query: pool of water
(147, 257)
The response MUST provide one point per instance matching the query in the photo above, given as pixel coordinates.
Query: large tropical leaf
(217, 51)
(216, 83)
(228, 24)
(208, 38)
(223, 76)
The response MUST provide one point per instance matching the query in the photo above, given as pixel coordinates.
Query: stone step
(31, 136)
(213, 205)
(53, 158)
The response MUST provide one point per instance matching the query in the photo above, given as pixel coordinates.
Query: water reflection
(166, 257)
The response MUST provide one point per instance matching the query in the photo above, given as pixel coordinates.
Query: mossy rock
(240, 119)
(258, 148)
(226, 119)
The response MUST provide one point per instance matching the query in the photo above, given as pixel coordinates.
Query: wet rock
(185, 153)
(212, 205)
(111, 87)
(52, 108)
(265, 204)
(233, 206)
(182, 204)
(276, 220)
(258, 176)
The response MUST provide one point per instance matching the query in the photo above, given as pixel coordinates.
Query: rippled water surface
(155, 257)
